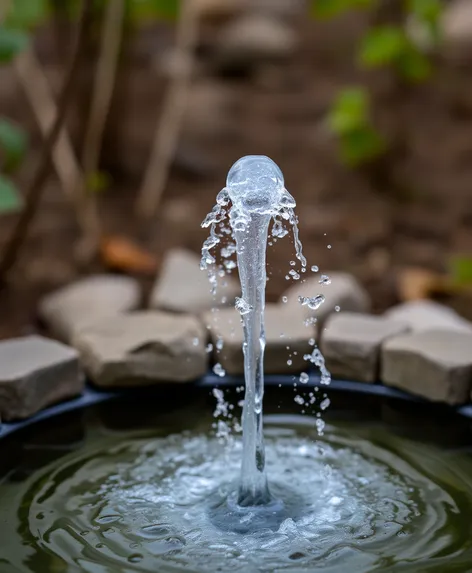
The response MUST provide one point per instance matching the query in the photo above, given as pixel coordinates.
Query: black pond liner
(92, 396)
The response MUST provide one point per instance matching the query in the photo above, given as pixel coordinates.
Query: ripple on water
(142, 504)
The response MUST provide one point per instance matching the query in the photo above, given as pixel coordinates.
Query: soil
(412, 208)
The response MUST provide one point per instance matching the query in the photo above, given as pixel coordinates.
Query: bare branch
(35, 190)
(105, 76)
(175, 103)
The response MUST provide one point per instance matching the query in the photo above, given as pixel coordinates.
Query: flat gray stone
(457, 22)
(423, 315)
(283, 327)
(351, 344)
(344, 292)
(255, 38)
(34, 373)
(143, 348)
(80, 304)
(183, 287)
(436, 364)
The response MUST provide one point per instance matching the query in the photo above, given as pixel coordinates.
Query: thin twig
(104, 83)
(38, 91)
(175, 103)
(34, 192)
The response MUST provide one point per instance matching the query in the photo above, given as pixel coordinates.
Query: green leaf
(427, 10)
(361, 145)
(12, 42)
(324, 9)
(150, 9)
(328, 8)
(461, 270)
(13, 142)
(27, 13)
(98, 181)
(382, 45)
(414, 65)
(10, 199)
(350, 111)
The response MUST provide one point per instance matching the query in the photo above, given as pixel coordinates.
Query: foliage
(350, 120)
(383, 46)
(461, 270)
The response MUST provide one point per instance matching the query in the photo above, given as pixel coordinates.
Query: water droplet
(219, 343)
(299, 400)
(219, 370)
(311, 342)
(337, 308)
(314, 269)
(292, 263)
(329, 246)
(229, 265)
(325, 403)
(209, 347)
(285, 299)
(196, 341)
(324, 280)
(242, 306)
(293, 273)
(313, 303)
(304, 377)
(289, 362)
(320, 426)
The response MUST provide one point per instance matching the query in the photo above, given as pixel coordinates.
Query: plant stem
(104, 83)
(167, 133)
(36, 187)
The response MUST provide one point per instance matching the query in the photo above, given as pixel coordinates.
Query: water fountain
(145, 487)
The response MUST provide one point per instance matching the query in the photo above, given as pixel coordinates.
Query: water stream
(255, 187)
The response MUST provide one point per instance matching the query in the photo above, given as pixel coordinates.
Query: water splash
(254, 195)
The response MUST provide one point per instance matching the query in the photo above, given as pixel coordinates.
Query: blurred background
(119, 120)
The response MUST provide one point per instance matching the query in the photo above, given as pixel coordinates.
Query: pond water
(138, 485)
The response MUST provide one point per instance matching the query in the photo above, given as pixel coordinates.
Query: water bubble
(289, 362)
(242, 306)
(324, 280)
(135, 558)
(312, 303)
(304, 378)
(293, 273)
(320, 426)
(292, 263)
(299, 400)
(314, 269)
(195, 341)
(209, 348)
(219, 343)
(285, 299)
(337, 308)
(229, 265)
(219, 370)
(329, 246)
(311, 342)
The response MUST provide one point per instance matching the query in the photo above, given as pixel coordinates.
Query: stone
(344, 291)
(351, 344)
(457, 22)
(183, 287)
(143, 348)
(283, 328)
(423, 315)
(436, 365)
(253, 39)
(34, 373)
(80, 304)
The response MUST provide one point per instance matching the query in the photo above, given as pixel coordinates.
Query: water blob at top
(255, 184)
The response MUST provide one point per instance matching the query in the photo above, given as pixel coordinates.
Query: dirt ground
(415, 208)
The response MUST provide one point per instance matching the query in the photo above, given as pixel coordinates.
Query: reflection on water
(360, 499)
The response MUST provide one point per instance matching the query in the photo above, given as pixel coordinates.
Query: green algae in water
(138, 501)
